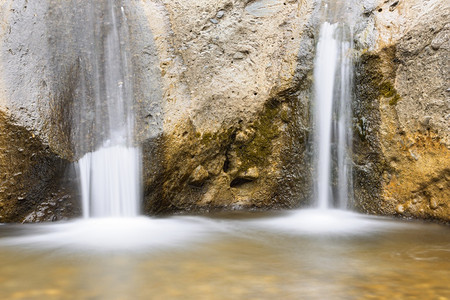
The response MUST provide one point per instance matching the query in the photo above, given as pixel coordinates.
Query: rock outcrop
(33, 180)
(403, 112)
(222, 92)
(35, 95)
(222, 97)
(237, 79)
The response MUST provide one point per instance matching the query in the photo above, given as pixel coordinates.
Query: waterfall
(332, 116)
(110, 174)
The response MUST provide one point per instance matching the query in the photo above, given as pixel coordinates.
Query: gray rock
(220, 14)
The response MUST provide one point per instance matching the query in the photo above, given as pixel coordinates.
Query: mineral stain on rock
(223, 94)
(402, 151)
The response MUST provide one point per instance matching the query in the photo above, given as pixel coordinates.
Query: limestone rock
(36, 87)
(236, 100)
(403, 142)
(42, 49)
(199, 176)
(33, 183)
(222, 92)
(250, 174)
(222, 84)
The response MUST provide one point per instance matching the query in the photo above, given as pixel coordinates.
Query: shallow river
(289, 255)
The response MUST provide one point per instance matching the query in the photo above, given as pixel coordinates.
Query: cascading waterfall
(332, 116)
(110, 176)
(343, 124)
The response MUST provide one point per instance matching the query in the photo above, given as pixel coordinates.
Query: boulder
(221, 98)
(222, 95)
(34, 181)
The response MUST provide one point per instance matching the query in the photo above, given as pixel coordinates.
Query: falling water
(110, 175)
(332, 116)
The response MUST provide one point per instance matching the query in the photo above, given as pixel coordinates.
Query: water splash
(98, 235)
(327, 222)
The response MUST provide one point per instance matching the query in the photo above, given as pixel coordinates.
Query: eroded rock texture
(403, 114)
(35, 102)
(32, 181)
(46, 83)
(221, 88)
(222, 91)
(237, 78)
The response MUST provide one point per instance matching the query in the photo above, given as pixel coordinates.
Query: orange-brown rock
(403, 145)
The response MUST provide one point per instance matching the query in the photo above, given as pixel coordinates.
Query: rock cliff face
(237, 78)
(34, 108)
(222, 92)
(403, 113)
(222, 96)
(33, 179)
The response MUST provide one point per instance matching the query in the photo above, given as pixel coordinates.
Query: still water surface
(288, 255)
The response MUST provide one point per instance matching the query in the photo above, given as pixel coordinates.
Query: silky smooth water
(332, 117)
(342, 124)
(332, 106)
(307, 254)
(111, 182)
(110, 171)
(324, 77)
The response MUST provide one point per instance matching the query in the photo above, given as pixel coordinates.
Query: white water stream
(110, 176)
(110, 182)
(332, 117)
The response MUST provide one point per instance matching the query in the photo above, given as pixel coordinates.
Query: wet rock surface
(47, 81)
(402, 115)
(222, 92)
(32, 183)
(39, 77)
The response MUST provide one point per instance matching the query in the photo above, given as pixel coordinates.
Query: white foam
(113, 234)
(110, 182)
(325, 222)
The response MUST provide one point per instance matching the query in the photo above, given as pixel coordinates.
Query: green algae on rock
(402, 152)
